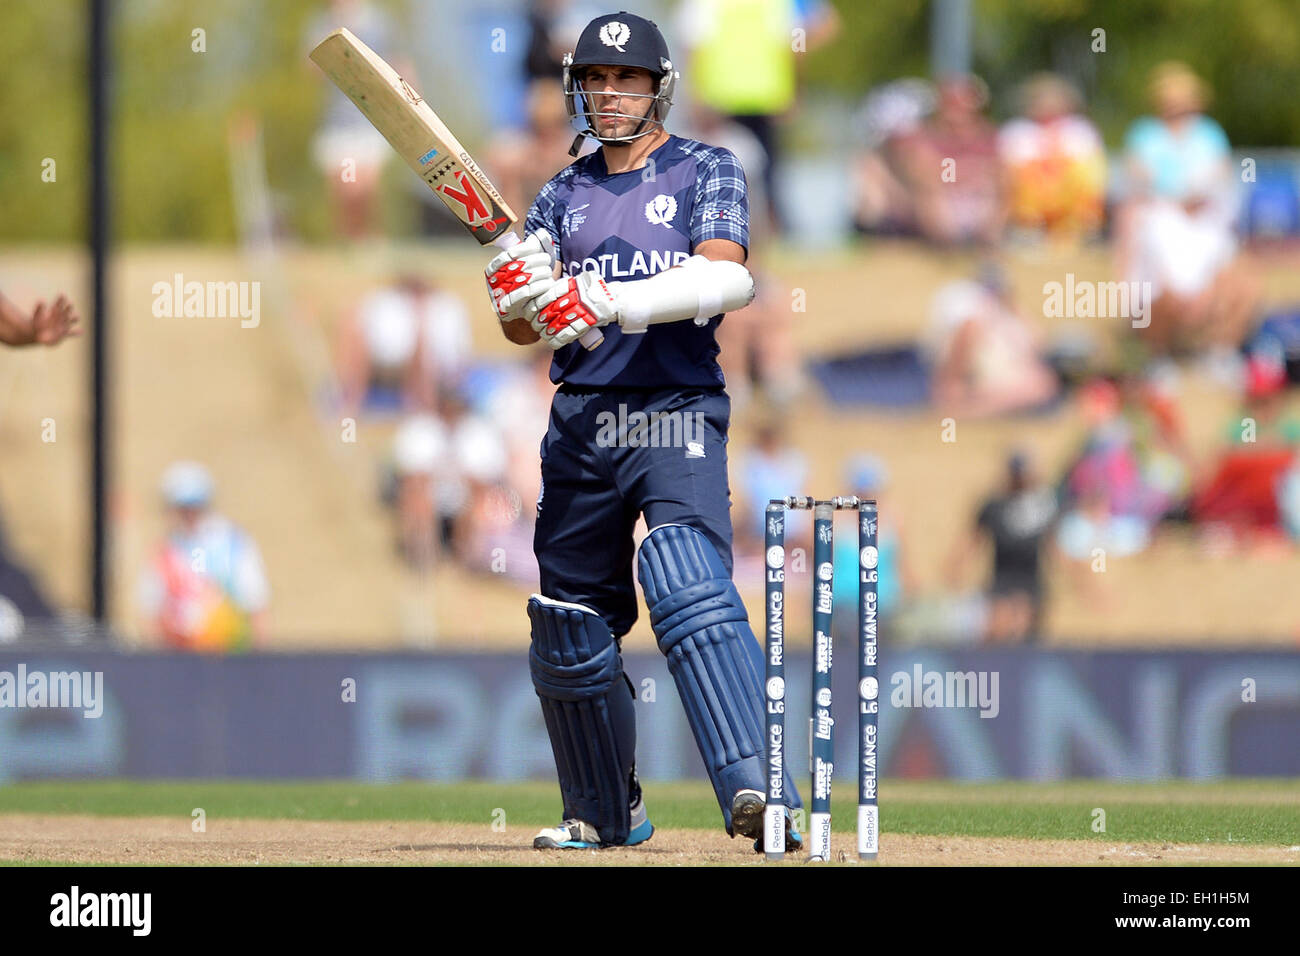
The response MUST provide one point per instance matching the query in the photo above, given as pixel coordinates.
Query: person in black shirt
(1018, 522)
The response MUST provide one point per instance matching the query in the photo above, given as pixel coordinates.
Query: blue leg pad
(702, 628)
(588, 706)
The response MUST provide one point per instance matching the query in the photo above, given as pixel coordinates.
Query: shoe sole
(635, 838)
(546, 843)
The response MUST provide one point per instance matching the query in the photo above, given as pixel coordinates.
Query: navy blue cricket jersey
(632, 225)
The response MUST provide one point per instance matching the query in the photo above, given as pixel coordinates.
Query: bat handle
(593, 336)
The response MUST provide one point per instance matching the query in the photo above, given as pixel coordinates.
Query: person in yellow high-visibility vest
(743, 62)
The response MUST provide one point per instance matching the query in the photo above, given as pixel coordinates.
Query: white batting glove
(522, 272)
(564, 312)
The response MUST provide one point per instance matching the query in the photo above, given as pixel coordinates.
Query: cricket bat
(414, 130)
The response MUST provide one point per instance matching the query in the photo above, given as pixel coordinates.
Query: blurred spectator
(742, 62)
(1180, 148)
(419, 448)
(1246, 492)
(349, 151)
(772, 468)
(709, 126)
(1090, 526)
(1116, 489)
(553, 29)
(757, 341)
(1018, 522)
(1165, 459)
(956, 177)
(757, 347)
(983, 352)
(521, 409)
(1288, 499)
(405, 342)
(205, 588)
(1176, 228)
(521, 161)
(21, 600)
(450, 466)
(888, 127)
(44, 325)
(1108, 504)
(1055, 162)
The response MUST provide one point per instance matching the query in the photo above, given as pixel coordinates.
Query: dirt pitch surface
(39, 838)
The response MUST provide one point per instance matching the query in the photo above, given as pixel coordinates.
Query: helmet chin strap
(612, 141)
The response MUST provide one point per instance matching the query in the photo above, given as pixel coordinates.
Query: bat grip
(589, 339)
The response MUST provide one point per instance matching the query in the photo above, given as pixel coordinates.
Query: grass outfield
(1264, 812)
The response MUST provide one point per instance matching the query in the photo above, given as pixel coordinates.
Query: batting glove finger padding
(518, 274)
(571, 307)
(516, 282)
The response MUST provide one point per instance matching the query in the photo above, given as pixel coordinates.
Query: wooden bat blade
(416, 133)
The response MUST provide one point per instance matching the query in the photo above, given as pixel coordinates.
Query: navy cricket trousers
(610, 455)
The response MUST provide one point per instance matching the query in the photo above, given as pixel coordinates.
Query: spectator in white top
(405, 343)
(983, 351)
(1177, 226)
(451, 470)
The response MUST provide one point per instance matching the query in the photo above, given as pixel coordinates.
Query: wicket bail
(821, 725)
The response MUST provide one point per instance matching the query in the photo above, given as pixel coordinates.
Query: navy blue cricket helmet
(620, 39)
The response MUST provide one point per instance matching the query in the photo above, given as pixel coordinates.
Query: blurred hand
(52, 324)
(47, 325)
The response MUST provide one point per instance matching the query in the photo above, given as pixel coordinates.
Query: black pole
(98, 237)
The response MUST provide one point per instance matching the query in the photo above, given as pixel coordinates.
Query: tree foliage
(1248, 51)
(173, 107)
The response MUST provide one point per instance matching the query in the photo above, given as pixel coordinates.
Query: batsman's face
(618, 89)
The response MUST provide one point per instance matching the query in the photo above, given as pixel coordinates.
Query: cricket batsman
(647, 239)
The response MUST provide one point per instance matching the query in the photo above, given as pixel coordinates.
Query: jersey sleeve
(721, 201)
(542, 214)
